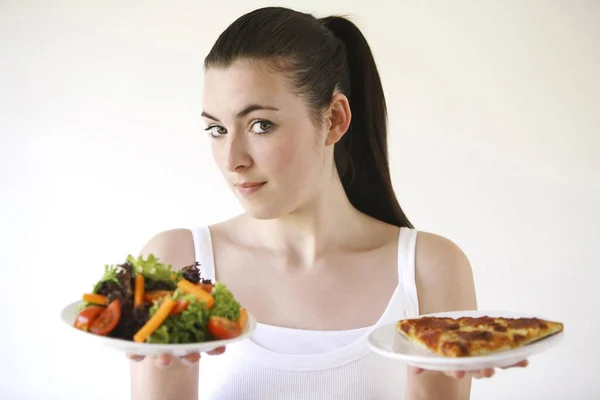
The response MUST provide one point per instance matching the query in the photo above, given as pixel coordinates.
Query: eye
(261, 126)
(216, 131)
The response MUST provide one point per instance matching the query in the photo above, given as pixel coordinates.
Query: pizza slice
(475, 336)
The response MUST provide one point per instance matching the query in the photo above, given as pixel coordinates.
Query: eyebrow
(247, 110)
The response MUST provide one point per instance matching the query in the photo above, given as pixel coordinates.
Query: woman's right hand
(164, 360)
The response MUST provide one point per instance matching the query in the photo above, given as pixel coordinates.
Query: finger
(520, 364)
(484, 373)
(163, 360)
(190, 358)
(135, 357)
(194, 357)
(415, 370)
(456, 374)
(217, 351)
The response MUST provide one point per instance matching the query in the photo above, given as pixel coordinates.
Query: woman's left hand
(484, 373)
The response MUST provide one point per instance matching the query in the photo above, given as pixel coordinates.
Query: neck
(324, 224)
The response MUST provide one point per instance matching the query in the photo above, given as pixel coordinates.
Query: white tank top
(284, 363)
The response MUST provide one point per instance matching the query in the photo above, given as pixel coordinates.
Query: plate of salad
(145, 307)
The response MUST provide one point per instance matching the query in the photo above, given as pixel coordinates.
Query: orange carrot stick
(138, 294)
(95, 298)
(152, 295)
(155, 321)
(243, 319)
(200, 294)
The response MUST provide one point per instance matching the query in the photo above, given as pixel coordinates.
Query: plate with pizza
(466, 340)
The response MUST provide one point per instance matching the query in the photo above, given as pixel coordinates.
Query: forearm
(431, 385)
(149, 382)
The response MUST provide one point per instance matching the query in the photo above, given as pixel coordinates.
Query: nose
(237, 156)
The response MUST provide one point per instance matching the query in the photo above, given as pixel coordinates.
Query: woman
(323, 254)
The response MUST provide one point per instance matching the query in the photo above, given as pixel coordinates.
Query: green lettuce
(191, 325)
(187, 327)
(110, 274)
(225, 304)
(152, 268)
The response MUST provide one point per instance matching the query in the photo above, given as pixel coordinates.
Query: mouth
(246, 185)
(246, 188)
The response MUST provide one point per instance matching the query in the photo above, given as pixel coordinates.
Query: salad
(146, 301)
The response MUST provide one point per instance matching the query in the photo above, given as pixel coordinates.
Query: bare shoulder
(443, 275)
(436, 255)
(174, 247)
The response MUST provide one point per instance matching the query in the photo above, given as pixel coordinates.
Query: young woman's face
(263, 139)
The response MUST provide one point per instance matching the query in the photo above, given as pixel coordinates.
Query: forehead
(229, 89)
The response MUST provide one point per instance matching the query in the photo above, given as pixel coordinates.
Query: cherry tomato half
(107, 320)
(223, 328)
(180, 307)
(87, 316)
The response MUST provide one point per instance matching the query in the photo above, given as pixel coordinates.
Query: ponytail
(361, 155)
(322, 56)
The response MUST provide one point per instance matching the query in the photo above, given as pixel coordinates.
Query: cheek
(294, 161)
(218, 154)
(221, 154)
(280, 159)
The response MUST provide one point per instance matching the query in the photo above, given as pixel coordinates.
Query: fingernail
(136, 358)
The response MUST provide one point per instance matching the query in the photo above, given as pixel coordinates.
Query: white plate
(69, 313)
(387, 342)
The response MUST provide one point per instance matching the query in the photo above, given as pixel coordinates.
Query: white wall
(494, 114)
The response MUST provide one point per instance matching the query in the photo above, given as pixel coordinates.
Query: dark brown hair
(320, 56)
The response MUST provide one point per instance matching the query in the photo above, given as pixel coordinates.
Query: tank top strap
(406, 270)
(204, 251)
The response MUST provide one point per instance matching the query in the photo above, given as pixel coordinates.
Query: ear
(338, 118)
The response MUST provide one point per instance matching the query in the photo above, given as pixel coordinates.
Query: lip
(246, 188)
(246, 185)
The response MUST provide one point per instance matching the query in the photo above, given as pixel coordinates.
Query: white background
(494, 141)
